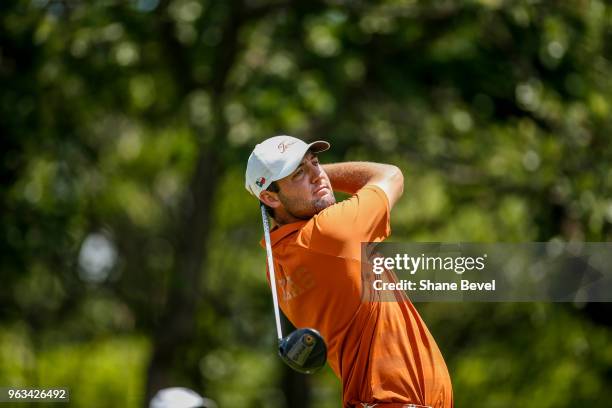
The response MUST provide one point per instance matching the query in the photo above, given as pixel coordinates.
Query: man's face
(307, 190)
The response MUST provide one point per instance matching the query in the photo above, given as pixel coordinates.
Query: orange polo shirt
(381, 351)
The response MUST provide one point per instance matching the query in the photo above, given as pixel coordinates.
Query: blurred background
(129, 255)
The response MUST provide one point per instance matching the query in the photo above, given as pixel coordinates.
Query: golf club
(304, 350)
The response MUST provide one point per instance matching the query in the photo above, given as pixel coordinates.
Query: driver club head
(304, 350)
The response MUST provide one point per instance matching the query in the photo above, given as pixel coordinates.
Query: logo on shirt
(295, 283)
(260, 181)
(282, 146)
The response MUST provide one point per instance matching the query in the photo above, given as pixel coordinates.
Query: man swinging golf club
(382, 351)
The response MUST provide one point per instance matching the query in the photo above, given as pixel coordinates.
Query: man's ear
(270, 199)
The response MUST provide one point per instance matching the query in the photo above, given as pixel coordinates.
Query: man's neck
(283, 218)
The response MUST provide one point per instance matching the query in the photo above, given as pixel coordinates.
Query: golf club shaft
(266, 226)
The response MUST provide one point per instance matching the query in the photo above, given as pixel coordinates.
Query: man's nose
(315, 173)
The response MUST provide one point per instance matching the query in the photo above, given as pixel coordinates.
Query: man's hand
(349, 177)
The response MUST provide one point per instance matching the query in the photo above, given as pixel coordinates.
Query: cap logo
(282, 147)
(260, 181)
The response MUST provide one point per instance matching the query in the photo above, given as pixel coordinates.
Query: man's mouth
(319, 189)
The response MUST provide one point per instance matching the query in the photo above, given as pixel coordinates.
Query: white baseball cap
(276, 158)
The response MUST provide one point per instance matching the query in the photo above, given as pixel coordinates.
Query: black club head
(304, 350)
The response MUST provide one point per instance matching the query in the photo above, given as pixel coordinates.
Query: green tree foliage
(129, 248)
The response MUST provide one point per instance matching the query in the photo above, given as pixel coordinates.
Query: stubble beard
(322, 203)
(305, 210)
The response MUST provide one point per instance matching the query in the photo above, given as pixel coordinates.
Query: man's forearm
(349, 177)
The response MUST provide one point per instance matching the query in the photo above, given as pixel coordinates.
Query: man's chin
(324, 202)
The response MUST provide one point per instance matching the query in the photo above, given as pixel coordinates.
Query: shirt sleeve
(364, 217)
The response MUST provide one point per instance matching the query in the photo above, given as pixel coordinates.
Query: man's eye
(315, 162)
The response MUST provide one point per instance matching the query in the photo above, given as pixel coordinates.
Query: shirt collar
(278, 233)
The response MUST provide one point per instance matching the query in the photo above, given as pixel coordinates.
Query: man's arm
(349, 177)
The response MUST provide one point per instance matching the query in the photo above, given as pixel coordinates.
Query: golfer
(382, 351)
